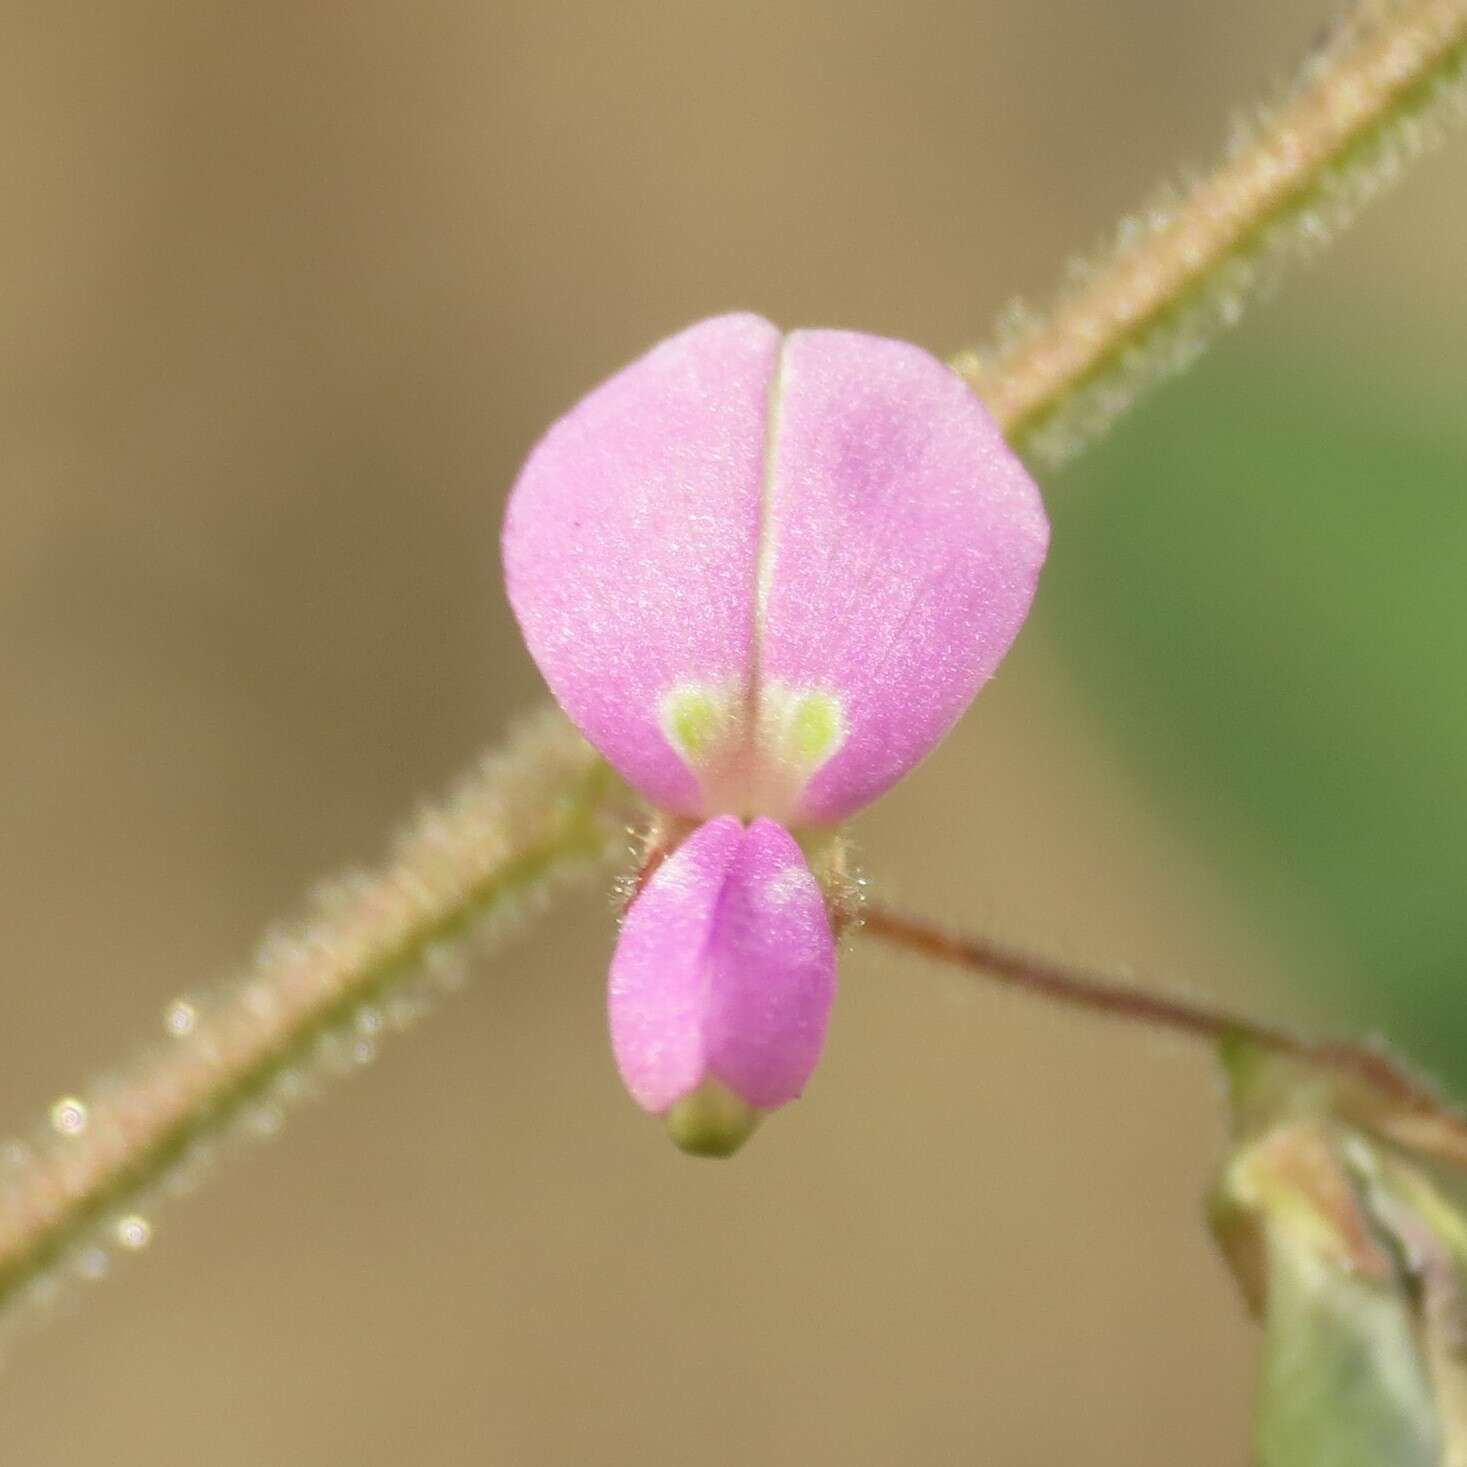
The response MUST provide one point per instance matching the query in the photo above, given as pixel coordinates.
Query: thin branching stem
(319, 995)
(1370, 98)
(1388, 1098)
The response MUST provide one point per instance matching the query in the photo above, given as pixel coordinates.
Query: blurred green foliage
(1261, 579)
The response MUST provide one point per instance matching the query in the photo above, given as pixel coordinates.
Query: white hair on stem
(1380, 89)
(369, 956)
(375, 949)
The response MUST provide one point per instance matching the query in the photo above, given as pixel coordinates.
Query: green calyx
(710, 1121)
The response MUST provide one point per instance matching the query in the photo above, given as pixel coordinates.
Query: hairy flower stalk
(374, 949)
(1371, 98)
(1370, 1087)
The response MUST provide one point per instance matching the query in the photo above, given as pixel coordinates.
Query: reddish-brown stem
(1382, 1094)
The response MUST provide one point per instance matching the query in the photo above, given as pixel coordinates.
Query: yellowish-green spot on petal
(711, 1121)
(753, 769)
(815, 727)
(800, 728)
(697, 720)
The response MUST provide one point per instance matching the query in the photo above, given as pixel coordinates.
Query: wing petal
(724, 970)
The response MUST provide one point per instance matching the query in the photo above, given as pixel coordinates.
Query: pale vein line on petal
(764, 553)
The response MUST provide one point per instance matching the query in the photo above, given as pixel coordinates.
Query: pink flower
(764, 574)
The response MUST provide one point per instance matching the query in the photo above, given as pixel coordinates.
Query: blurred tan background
(287, 291)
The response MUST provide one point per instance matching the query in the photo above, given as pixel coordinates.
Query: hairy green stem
(370, 956)
(373, 950)
(1377, 92)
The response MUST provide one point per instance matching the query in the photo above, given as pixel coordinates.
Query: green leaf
(1260, 581)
